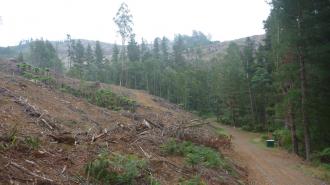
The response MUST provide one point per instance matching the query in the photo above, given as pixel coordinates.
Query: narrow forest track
(267, 166)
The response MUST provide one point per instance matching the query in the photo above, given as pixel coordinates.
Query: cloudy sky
(92, 19)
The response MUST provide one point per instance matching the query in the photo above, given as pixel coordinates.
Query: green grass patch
(106, 98)
(320, 171)
(102, 98)
(220, 131)
(115, 168)
(194, 154)
(153, 181)
(32, 142)
(283, 138)
(193, 181)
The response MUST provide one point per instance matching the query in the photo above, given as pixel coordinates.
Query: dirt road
(267, 166)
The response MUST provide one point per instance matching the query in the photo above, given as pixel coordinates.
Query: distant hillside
(207, 51)
(219, 48)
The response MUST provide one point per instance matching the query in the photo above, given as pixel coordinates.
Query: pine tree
(164, 49)
(115, 53)
(133, 50)
(156, 48)
(98, 54)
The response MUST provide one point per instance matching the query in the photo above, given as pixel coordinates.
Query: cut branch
(29, 172)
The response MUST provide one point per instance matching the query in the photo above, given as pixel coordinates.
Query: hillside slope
(208, 51)
(48, 137)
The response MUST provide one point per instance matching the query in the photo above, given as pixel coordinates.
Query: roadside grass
(195, 155)
(221, 132)
(320, 171)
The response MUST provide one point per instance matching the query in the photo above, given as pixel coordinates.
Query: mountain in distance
(208, 51)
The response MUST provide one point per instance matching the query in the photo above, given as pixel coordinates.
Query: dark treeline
(280, 85)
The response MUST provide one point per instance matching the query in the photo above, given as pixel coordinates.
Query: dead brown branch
(29, 171)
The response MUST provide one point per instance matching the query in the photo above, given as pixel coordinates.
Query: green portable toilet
(270, 143)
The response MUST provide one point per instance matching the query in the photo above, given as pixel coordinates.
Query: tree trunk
(127, 77)
(135, 81)
(147, 83)
(292, 125)
(251, 103)
(168, 92)
(303, 87)
(303, 104)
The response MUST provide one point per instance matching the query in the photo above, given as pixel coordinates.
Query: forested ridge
(280, 85)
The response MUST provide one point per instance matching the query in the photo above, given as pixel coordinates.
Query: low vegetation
(100, 97)
(193, 181)
(106, 98)
(9, 138)
(194, 155)
(32, 142)
(116, 169)
(36, 74)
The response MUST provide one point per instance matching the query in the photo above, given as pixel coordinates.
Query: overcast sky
(92, 19)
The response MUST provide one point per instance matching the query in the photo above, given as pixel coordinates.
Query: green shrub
(325, 155)
(106, 98)
(9, 139)
(283, 137)
(36, 70)
(193, 154)
(47, 80)
(27, 75)
(129, 166)
(22, 67)
(171, 147)
(116, 169)
(32, 142)
(98, 169)
(322, 157)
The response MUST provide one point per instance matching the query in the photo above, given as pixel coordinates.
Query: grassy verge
(319, 171)
(195, 155)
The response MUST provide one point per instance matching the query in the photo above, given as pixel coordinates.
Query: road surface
(267, 166)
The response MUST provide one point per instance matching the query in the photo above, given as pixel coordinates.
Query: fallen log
(47, 124)
(149, 124)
